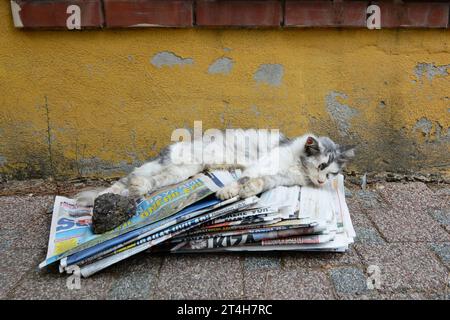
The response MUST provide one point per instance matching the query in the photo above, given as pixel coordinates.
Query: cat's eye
(322, 166)
(332, 174)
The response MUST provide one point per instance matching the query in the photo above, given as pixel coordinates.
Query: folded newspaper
(187, 217)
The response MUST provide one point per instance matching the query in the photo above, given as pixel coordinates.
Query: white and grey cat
(304, 160)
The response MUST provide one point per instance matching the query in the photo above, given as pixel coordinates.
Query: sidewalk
(402, 228)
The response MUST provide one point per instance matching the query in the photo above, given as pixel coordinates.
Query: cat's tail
(86, 198)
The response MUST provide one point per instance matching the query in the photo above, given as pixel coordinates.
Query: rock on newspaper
(71, 231)
(187, 217)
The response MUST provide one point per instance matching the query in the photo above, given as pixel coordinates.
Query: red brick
(391, 14)
(53, 14)
(425, 15)
(146, 13)
(239, 13)
(413, 15)
(325, 13)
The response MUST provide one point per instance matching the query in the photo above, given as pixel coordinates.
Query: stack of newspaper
(187, 217)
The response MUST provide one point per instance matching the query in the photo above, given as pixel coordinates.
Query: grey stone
(43, 284)
(287, 284)
(443, 251)
(441, 215)
(349, 280)
(405, 267)
(368, 235)
(137, 279)
(405, 218)
(262, 261)
(292, 260)
(195, 276)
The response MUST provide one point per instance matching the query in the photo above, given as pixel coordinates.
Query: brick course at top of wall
(225, 13)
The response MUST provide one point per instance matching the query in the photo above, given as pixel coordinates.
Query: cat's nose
(320, 181)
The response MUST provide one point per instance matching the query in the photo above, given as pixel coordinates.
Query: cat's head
(323, 159)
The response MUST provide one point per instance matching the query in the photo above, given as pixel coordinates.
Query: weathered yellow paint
(108, 107)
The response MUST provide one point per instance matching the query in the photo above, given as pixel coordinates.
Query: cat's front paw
(251, 187)
(229, 191)
(139, 186)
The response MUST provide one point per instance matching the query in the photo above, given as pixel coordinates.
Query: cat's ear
(346, 153)
(311, 146)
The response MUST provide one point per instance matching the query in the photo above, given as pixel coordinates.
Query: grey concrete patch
(271, 74)
(169, 59)
(349, 280)
(138, 277)
(368, 236)
(221, 66)
(287, 284)
(430, 70)
(293, 260)
(200, 277)
(340, 113)
(408, 267)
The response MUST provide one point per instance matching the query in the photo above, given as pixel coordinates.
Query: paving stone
(405, 219)
(8, 279)
(358, 214)
(375, 295)
(292, 260)
(416, 193)
(349, 280)
(368, 236)
(42, 284)
(408, 225)
(137, 277)
(207, 276)
(442, 216)
(19, 212)
(443, 251)
(369, 199)
(20, 259)
(257, 261)
(405, 267)
(301, 283)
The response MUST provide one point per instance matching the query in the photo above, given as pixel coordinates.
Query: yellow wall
(108, 107)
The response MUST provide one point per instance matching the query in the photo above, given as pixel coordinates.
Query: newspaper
(187, 217)
(322, 213)
(151, 240)
(71, 230)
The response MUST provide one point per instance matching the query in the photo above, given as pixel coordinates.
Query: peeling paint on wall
(340, 113)
(271, 74)
(221, 66)
(424, 125)
(169, 59)
(430, 70)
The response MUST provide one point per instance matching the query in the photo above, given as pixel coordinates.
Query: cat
(304, 160)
